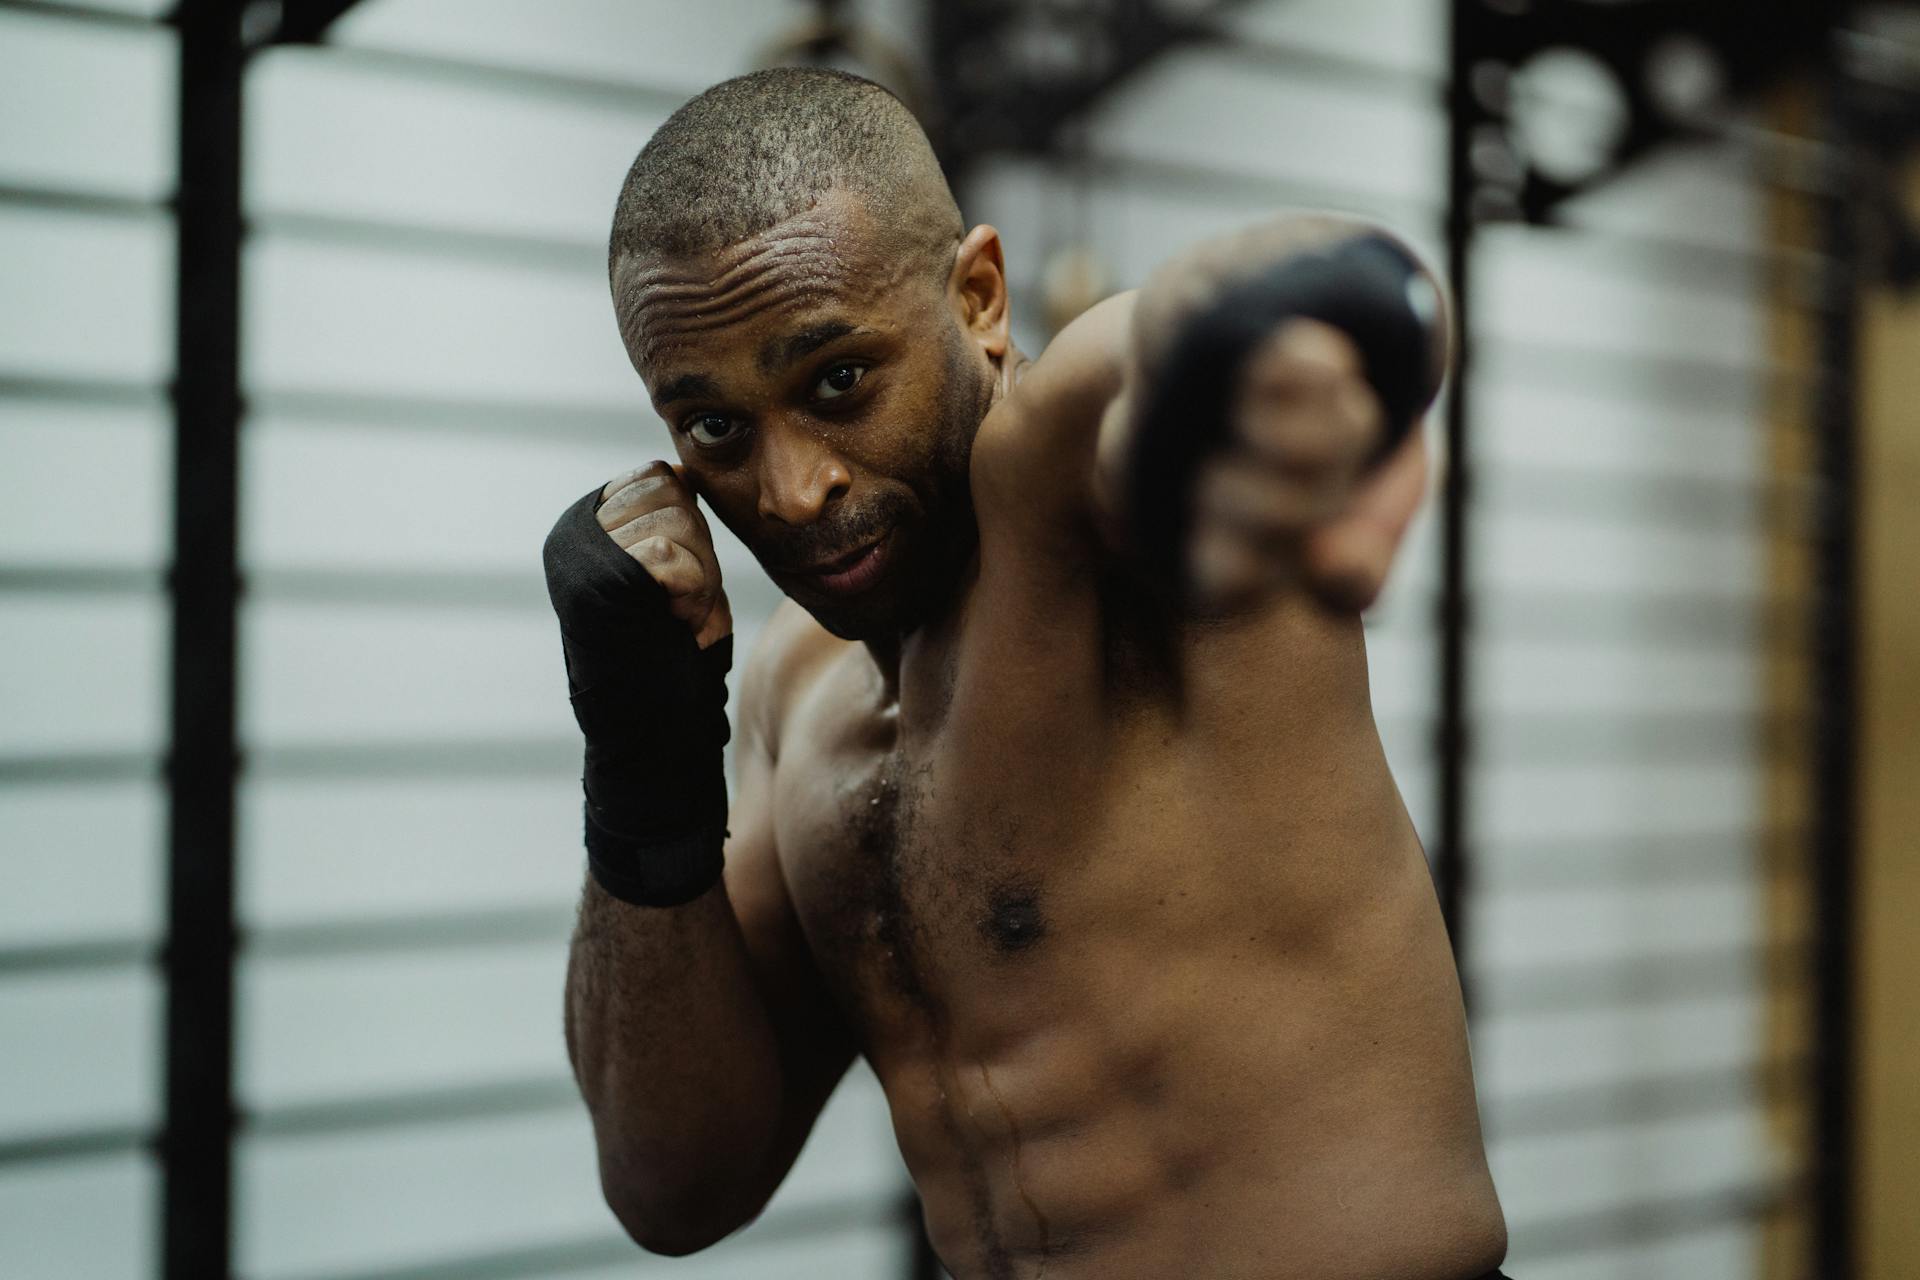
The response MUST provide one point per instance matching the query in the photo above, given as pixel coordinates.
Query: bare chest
(917, 860)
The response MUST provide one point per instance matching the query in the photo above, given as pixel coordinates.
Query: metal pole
(1835, 627)
(196, 1147)
(1452, 739)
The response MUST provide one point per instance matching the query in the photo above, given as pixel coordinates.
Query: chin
(922, 583)
(876, 615)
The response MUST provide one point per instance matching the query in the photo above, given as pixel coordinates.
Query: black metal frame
(1753, 44)
(986, 101)
(1836, 723)
(203, 753)
(196, 1145)
(1452, 743)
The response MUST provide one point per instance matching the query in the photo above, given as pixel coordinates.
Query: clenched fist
(1293, 498)
(653, 516)
(646, 634)
(1267, 425)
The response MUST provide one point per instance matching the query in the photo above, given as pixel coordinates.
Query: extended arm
(1245, 423)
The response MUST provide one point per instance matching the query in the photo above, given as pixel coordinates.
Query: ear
(1347, 559)
(977, 290)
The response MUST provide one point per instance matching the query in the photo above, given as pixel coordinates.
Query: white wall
(82, 487)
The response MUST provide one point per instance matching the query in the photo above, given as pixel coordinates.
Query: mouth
(855, 571)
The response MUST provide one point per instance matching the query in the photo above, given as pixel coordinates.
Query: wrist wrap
(653, 707)
(1367, 287)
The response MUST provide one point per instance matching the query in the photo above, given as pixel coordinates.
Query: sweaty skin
(1123, 908)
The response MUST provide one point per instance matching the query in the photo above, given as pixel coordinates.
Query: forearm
(678, 1062)
(669, 1034)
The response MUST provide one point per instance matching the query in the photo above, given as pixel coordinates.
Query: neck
(886, 650)
(885, 653)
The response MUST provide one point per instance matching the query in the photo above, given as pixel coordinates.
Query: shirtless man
(1102, 871)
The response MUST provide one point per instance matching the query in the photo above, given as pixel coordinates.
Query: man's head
(795, 286)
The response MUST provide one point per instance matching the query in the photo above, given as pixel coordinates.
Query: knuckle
(1318, 346)
(673, 518)
(1361, 409)
(661, 522)
(640, 481)
(656, 551)
(683, 523)
(616, 484)
(1313, 456)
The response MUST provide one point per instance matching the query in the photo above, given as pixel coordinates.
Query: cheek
(731, 498)
(886, 447)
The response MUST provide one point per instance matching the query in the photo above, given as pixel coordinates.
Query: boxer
(1059, 795)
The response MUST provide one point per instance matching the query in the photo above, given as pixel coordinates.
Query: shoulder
(1033, 457)
(786, 658)
(1057, 399)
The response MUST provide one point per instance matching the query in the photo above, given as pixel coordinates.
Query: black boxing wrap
(1368, 287)
(653, 707)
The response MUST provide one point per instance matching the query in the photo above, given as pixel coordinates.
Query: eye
(838, 380)
(711, 429)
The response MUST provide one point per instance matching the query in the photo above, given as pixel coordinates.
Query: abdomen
(1199, 1074)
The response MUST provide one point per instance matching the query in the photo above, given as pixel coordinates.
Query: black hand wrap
(653, 706)
(1367, 287)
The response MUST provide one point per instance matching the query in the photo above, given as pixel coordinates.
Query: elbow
(677, 1220)
(669, 1240)
(675, 1230)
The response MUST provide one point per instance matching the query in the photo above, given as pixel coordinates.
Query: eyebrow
(688, 386)
(778, 353)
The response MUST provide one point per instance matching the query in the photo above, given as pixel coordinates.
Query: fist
(653, 516)
(1292, 498)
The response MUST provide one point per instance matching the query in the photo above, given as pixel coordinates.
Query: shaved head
(759, 149)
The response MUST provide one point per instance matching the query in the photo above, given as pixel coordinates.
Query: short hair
(753, 151)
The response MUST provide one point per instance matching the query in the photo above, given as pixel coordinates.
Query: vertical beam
(1887, 1039)
(1834, 794)
(196, 1144)
(1452, 739)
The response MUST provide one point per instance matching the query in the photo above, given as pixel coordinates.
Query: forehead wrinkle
(673, 328)
(678, 277)
(675, 300)
(661, 303)
(738, 266)
(664, 327)
(705, 313)
(774, 277)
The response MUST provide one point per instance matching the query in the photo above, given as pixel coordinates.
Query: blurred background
(304, 342)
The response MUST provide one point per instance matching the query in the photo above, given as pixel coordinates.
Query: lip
(854, 572)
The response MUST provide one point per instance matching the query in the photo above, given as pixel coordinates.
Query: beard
(928, 521)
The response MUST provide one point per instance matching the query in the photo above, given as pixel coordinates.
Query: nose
(800, 475)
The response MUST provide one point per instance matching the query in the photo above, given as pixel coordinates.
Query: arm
(1285, 470)
(700, 1035)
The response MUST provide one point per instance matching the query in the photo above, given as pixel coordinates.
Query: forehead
(828, 265)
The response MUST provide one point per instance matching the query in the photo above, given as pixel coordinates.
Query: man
(1059, 795)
